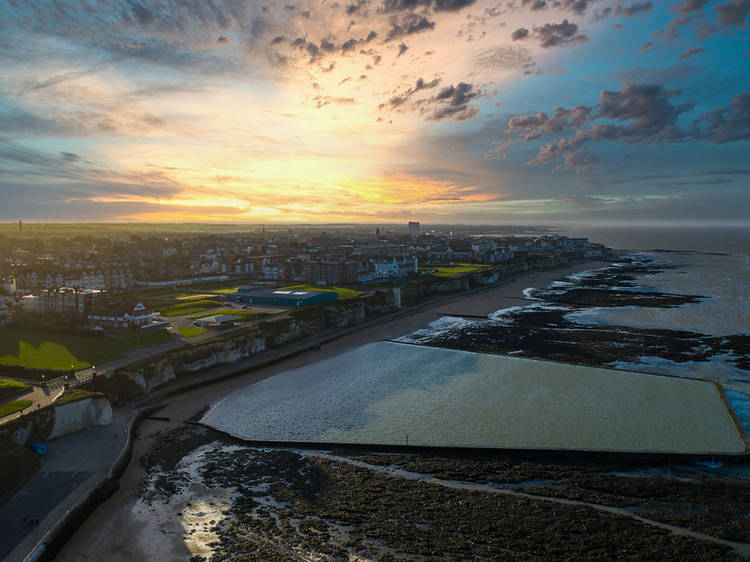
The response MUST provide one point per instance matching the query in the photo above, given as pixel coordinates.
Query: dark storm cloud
(558, 34)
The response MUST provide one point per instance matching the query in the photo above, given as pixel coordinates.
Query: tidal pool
(395, 394)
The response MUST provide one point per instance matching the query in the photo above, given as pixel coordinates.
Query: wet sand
(113, 533)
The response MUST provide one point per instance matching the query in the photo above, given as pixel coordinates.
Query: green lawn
(13, 407)
(190, 331)
(455, 269)
(343, 292)
(9, 388)
(245, 315)
(60, 351)
(74, 395)
(189, 307)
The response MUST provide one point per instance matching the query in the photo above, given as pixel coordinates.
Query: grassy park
(9, 388)
(63, 351)
(13, 407)
(453, 269)
(245, 315)
(343, 292)
(191, 331)
(189, 307)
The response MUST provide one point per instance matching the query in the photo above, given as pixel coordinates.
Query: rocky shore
(225, 500)
(546, 332)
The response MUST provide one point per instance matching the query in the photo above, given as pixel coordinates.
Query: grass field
(60, 352)
(9, 388)
(455, 269)
(191, 331)
(343, 292)
(74, 395)
(189, 307)
(13, 407)
(245, 315)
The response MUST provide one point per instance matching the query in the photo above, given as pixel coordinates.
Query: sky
(443, 111)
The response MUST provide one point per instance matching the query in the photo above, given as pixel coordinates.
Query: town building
(282, 297)
(391, 269)
(331, 272)
(123, 317)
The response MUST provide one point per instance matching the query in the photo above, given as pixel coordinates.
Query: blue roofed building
(282, 297)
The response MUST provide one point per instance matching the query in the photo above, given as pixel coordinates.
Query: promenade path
(71, 465)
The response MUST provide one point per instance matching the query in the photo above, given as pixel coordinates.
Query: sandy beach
(112, 532)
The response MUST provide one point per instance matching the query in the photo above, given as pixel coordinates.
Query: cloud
(558, 34)
(70, 156)
(635, 114)
(581, 161)
(402, 48)
(576, 6)
(436, 5)
(729, 172)
(633, 9)
(453, 102)
(726, 124)
(400, 99)
(691, 52)
(733, 12)
(511, 57)
(690, 6)
(500, 152)
(408, 24)
(520, 33)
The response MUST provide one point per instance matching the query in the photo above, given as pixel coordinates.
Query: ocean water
(711, 262)
(355, 397)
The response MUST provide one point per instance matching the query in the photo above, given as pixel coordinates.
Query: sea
(713, 263)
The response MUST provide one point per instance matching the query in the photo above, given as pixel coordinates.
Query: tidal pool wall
(399, 394)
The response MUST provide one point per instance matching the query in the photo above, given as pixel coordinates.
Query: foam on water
(723, 280)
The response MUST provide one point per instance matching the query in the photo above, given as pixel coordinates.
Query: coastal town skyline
(444, 111)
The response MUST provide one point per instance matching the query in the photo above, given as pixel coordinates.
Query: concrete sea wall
(139, 379)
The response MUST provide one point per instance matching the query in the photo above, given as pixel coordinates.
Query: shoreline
(113, 517)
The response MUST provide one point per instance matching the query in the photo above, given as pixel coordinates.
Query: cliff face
(136, 380)
(53, 421)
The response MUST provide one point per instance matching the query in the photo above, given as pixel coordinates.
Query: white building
(390, 269)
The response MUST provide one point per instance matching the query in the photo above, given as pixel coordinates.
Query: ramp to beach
(397, 394)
